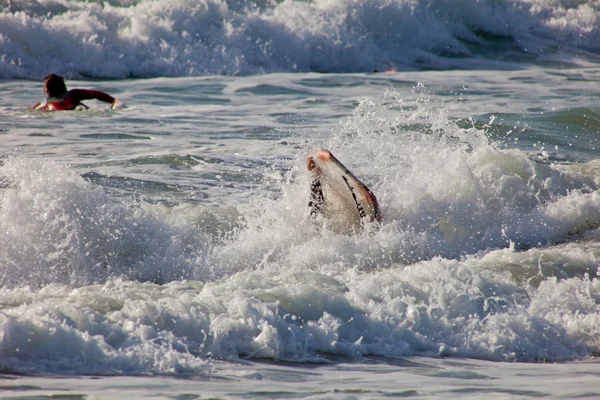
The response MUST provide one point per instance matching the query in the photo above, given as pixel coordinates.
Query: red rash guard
(74, 97)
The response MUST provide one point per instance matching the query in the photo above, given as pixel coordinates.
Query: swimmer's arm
(88, 94)
(77, 95)
(315, 204)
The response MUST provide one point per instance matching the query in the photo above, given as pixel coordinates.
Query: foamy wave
(57, 228)
(143, 38)
(443, 190)
(456, 269)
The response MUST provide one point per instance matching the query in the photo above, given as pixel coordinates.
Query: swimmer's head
(54, 85)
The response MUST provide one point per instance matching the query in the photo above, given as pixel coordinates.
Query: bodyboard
(339, 195)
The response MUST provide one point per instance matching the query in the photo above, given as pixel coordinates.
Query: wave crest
(143, 38)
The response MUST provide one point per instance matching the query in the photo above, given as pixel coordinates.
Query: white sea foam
(483, 252)
(447, 191)
(58, 228)
(144, 38)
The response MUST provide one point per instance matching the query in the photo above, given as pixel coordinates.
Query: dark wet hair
(54, 85)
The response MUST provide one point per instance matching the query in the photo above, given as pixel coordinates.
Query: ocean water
(166, 250)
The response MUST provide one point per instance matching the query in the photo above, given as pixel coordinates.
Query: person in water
(58, 98)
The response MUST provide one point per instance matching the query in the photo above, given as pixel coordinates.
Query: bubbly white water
(169, 235)
(147, 38)
(172, 239)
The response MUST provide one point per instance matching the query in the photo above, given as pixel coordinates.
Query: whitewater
(166, 249)
(142, 38)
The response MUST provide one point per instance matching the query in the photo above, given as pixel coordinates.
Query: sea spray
(144, 38)
(58, 228)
